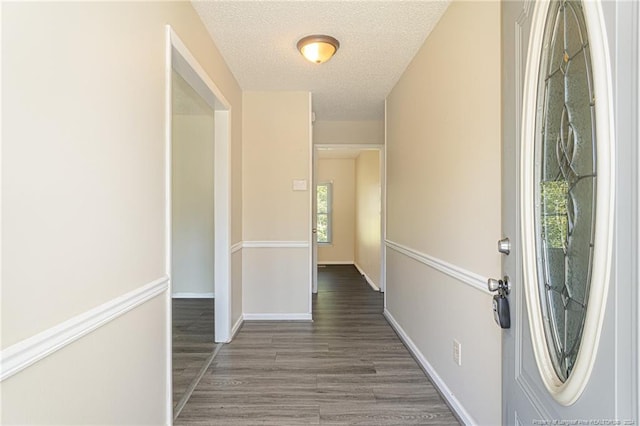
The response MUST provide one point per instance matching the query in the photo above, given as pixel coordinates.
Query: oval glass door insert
(565, 214)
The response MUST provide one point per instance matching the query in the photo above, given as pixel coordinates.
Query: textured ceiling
(378, 39)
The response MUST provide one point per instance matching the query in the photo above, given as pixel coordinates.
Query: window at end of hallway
(323, 213)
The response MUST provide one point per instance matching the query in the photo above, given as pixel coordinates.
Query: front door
(570, 212)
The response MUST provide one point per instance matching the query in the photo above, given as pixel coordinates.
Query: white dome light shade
(318, 48)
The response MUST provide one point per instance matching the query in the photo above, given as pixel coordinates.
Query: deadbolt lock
(504, 246)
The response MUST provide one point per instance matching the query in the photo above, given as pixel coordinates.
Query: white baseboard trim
(366, 277)
(456, 406)
(277, 317)
(275, 244)
(27, 352)
(236, 327)
(185, 295)
(336, 262)
(467, 277)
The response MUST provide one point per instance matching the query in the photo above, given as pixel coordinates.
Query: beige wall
(368, 212)
(348, 132)
(445, 155)
(443, 200)
(192, 193)
(341, 173)
(276, 282)
(276, 151)
(83, 197)
(111, 376)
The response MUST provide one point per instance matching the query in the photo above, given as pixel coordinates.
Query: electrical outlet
(457, 352)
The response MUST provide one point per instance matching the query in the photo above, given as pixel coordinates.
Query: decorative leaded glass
(566, 181)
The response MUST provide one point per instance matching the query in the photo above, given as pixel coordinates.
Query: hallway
(346, 367)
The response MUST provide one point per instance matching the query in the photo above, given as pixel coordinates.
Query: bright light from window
(323, 215)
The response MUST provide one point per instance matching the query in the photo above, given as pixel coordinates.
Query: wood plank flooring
(347, 367)
(193, 341)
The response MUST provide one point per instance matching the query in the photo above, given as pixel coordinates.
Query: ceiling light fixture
(318, 48)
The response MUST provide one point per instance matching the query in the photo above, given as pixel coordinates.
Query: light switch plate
(457, 352)
(299, 184)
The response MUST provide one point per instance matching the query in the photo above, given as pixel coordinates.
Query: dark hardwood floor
(193, 341)
(346, 367)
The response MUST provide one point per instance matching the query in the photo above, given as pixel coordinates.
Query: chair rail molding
(467, 277)
(27, 352)
(275, 244)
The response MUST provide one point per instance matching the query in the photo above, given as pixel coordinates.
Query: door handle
(502, 286)
(314, 231)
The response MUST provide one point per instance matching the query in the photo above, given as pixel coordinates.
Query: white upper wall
(348, 132)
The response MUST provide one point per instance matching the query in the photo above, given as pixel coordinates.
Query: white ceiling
(378, 39)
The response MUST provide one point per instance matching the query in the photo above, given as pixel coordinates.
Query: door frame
(383, 204)
(637, 209)
(179, 58)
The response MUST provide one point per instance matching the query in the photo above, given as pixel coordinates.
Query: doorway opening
(348, 210)
(192, 237)
(197, 187)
